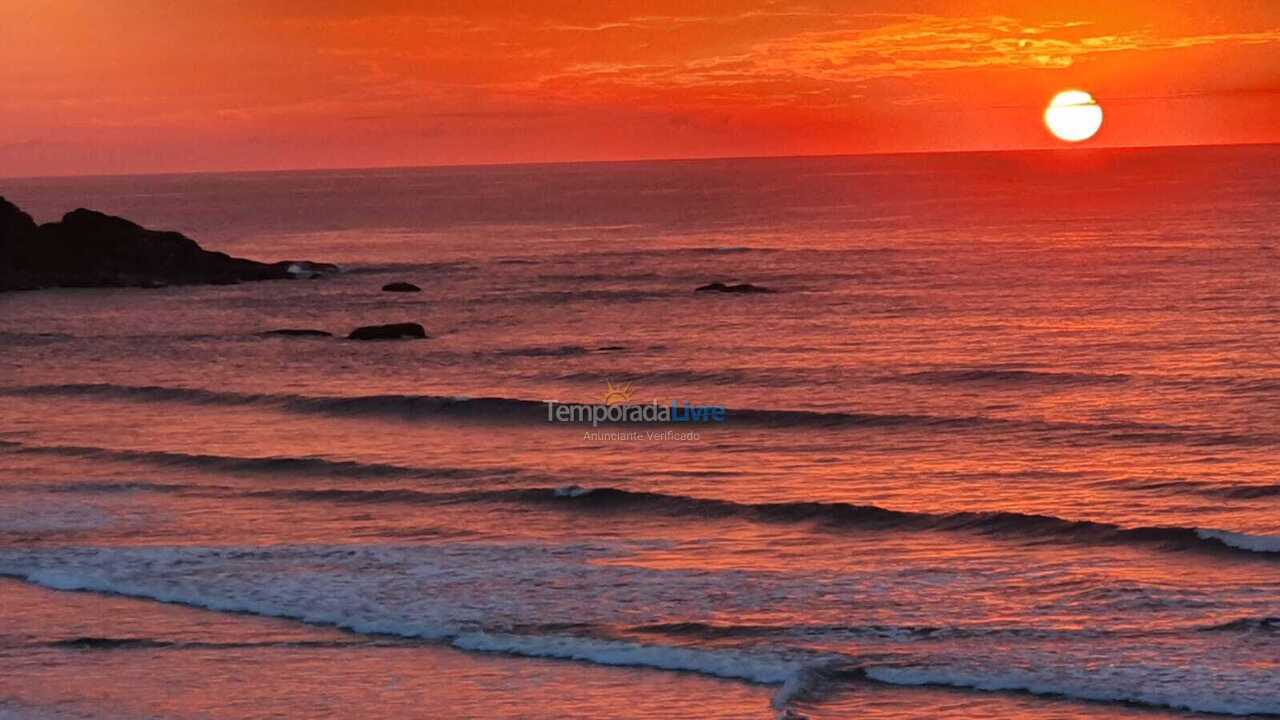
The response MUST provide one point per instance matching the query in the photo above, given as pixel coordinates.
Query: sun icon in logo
(618, 394)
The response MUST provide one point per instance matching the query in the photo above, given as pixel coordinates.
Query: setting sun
(1073, 115)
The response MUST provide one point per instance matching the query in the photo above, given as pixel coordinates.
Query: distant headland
(90, 249)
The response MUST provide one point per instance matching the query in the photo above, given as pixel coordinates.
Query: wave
(1093, 687)
(94, 642)
(300, 466)
(497, 410)
(796, 678)
(902, 633)
(756, 667)
(830, 516)
(1005, 376)
(837, 515)
(1264, 624)
(1243, 492)
(426, 406)
(398, 406)
(752, 667)
(13, 710)
(553, 351)
(104, 488)
(201, 578)
(727, 376)
(1207, 488)
(796, 675)
(1243, 541)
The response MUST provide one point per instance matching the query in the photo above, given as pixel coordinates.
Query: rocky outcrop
(401, 287)
(14, 224)
(395, 331)
(740, 288)
(16, 230)
(90, 249)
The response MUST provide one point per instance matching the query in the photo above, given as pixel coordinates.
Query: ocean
(1005, 442)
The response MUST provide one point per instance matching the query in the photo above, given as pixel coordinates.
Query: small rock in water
(394, 331)
(739, 288)
(401, 287)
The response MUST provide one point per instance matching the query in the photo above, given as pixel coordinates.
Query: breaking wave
(837, 515)
(1122, 686)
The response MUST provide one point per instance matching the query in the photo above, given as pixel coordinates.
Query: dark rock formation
(395, 331)
(90, 249)
(740, 288)
(297, 332)
(403, 287)
(14, 224)
(16, 229)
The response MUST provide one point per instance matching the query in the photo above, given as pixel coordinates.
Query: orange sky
(114, 86)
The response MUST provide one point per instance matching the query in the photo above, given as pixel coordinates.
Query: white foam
(178, 595)
(303, 267)
(571, 491)
(141, 573)
(1243, 541)
(435, 593)
(758, 668)
(438, 594)
(477, 596)
(1113, 684)
(797, 685)
(761, 668)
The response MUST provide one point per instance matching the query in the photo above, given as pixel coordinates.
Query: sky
(134, 86)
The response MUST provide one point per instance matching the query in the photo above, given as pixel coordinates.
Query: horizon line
(624, 161)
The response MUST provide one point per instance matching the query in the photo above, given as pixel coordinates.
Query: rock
(395, 331)
(90, 249)
(297, 332)
(740, 288)
(402, 287)
(15, 225)
(17, 229)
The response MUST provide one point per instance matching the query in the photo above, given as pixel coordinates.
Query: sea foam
(1141, 686)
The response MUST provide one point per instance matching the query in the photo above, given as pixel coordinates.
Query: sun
(1073, 115)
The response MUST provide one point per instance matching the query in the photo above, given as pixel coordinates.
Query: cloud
(873, 47)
